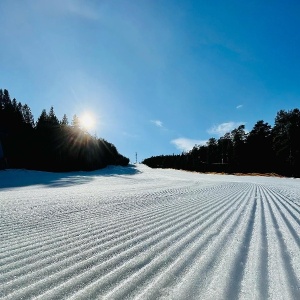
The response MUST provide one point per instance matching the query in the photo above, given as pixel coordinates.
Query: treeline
(49, 144)
(263, 150)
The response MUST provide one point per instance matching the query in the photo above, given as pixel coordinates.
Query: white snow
(140, 233)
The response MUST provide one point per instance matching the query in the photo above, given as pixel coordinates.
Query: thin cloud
(223, 128)
(239, 106)
(82, 9)
(157, 123)
(78, 8)
(185, 144)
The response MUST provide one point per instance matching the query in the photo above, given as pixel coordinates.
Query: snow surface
(138, 233)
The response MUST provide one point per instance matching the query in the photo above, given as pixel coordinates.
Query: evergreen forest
(265, 149)
(49, 144)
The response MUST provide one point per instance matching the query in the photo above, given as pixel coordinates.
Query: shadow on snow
(19, 178)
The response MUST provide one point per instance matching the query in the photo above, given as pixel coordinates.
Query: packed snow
(141, 233)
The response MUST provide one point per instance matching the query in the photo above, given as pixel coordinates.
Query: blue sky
(159, 76)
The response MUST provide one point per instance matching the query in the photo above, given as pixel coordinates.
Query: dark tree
(52, 119)
(64, 120)
(238, 137)
(286, 133)
(42, 121)
(225, 146)
(27, 115)
(5, 99)
(212, 151)
(260, 156)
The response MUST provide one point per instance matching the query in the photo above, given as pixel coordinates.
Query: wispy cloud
(185, 144)
(223, 128)
(157, 123)
(78, 8)
(239, 106)
(81, 8)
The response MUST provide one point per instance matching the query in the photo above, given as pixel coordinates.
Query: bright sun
(87, 121)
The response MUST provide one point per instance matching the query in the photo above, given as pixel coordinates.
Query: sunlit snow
(138, 233)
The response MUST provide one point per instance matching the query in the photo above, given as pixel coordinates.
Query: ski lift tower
(136, 158)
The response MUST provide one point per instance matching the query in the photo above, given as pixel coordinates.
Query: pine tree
(64, 120)
(6, 98)
(42, 121)
(75, 122)
(52, 119)
(286, 134)
(27, 115)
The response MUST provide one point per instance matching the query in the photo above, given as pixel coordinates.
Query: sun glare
(87, 121)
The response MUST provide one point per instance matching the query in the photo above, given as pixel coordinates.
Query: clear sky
(159, 76)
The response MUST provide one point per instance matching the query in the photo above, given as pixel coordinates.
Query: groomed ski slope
(140, 233)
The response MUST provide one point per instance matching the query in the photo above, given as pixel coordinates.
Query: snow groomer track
(138, 233)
